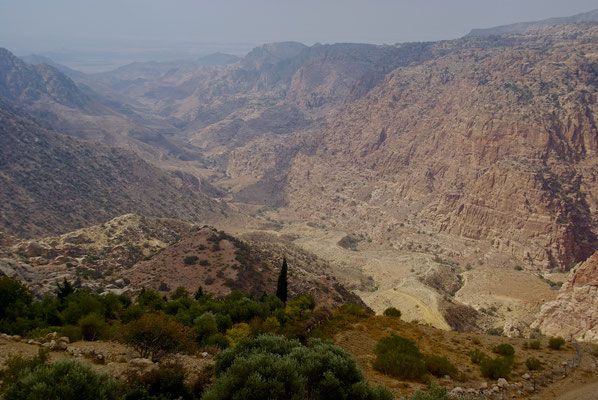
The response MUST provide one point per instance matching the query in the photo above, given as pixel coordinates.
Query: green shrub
(14, 298)
(153, 335)
(150, 300)
(440, 366)
(495, 331)
(72, 332)
(476, 356)
(63, 380)
(556, 343)
(93, 327)
(188, 260)
(533, 364)
(392, 312)
(494, 368)
(504, 349)
(165, 382)
(272, 367)
(534, 345)
(399, 357)
(434, 392)
(15, 365)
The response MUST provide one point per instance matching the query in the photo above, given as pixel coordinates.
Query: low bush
(72, 332)
(153, 335)
(188, 260)
(165, 382)
(476, 356)
(17, 364)
(92, 327)
(533, 364)
(63, 380)
(534, 345)
(440, 366)
(434, 392)
(272, 367)
(399, 357)
(495, 331)
(494, 368)
(392, 312)
(504, 349)
(556, 343)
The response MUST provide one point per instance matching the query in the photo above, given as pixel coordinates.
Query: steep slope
(495, 141)
(573, 315)
(56, 102)
(52, 183)
(131, 251)
(525, 27)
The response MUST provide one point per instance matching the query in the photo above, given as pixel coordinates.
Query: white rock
(526, 376)
(502, 383)
(141, 362)
(457, 392)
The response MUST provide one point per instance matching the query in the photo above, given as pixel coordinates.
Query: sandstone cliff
(574, 314)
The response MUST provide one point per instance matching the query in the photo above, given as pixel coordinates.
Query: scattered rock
(457, 392)
(502, 383)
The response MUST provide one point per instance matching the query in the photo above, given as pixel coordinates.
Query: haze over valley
(454, 180)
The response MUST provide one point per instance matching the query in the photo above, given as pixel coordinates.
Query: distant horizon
(92, 37)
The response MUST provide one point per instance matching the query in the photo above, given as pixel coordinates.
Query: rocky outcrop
(574, 314)
(494, 142)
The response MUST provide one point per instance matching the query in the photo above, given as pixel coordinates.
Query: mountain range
(463, 158)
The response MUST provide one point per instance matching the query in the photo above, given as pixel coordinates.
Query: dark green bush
(504, 349)
(392, 312)
(93, 327)
(440, 366)
(166, 382)
(399, 357)
(494, 331)
(434, 392)
(494, 368)
(15, 365)
(155, 336)
(533, 364)
(72, 332)
(534, 345)
(556, 343)
(188, 260)
(63, 380)
(272, 367)
(14, 298)
(476, 356)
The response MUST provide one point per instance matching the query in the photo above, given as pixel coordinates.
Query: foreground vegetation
(262, 345)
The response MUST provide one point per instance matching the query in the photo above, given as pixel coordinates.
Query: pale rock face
(516, 329)
(574, 314)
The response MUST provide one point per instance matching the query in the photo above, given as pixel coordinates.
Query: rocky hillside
(573, 314)
(525, 27)
(488, 138)
(130, 252)
(52, 183)
(495, 141)
(56, 102)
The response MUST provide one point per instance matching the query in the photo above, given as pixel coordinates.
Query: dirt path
(585, 392)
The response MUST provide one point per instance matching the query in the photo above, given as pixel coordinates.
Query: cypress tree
(281, 287)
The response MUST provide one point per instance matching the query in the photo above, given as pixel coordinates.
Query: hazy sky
(42, 25)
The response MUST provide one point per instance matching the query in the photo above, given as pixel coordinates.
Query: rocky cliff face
(494, 141)
(574, 314)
